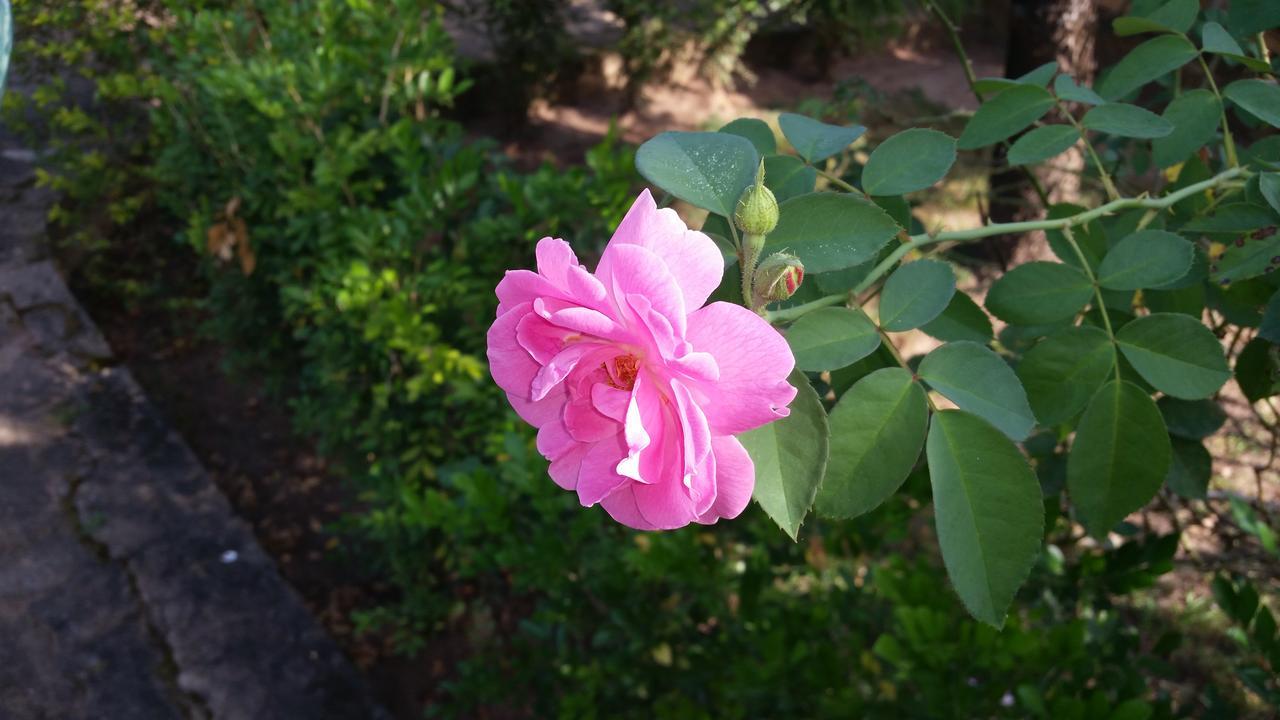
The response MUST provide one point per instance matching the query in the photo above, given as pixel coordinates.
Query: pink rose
(636, 389)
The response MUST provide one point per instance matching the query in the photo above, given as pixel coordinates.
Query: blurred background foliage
(302, 173)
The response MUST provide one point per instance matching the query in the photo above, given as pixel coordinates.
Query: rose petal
(513, 369)
(692, 257)
(621, 506)
(735, 479)
(597, 478)
(753, 360)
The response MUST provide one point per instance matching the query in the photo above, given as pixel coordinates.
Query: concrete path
(128, 587)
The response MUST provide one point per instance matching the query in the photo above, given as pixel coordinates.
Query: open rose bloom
(636, 388)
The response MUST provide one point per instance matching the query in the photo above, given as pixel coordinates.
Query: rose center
(622, 371)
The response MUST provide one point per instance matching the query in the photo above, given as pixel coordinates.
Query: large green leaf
(831, 338)
(755, 130)
(815, 140)
(988, 511)
(1005, 114)
(877, 430)
(962, 320)
(707, 169)
(1192, 419)
(1259, 97)
(831, 231)
(1064, 370)
(790, 457)
(1125, 120)
(788, 176)
(1150, 60)
(1190, 469)
(1174, 16)
(1042, 143)
(1194, 115)
(1119, 457)
(915, 294)
(911, 160)
(1039, 293)
(1146, 259)
(1177, 354)
(979, 381)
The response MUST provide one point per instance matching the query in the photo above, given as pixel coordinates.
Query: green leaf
(1258, 370)
(1269, 328)
(1127, 121)
(1253, 16)
(988, 511)
(1042, 143)
(962, 320)
(1040, 76)
(1146, 259)
(1233, 218)
(915, 294)
(788, 177)
(707, 169)
(877, 431)
(815, 140)
(1065, 87)
(1174, 16)
(1150, 60)
(1259, 97)
(1190, 469)
(979, 381)
(1191, 419)
(1269, 186)
(1176, 354)
(831, 338)
(1064, 370)
(755, 130)
(1119, 457)
(1215, 39)
(908, 161)
(1005, 114)
(1039, 293)
(1246, 258)
(1194, 115)
(831, 231)
(790, 457)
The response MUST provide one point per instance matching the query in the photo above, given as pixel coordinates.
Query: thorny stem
(1227, 140)
(1082, 218)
